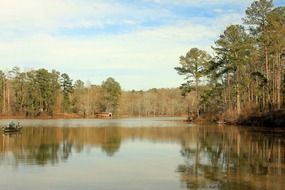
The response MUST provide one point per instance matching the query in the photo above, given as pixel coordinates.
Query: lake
(136, 154)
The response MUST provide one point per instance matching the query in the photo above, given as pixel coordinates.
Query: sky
(138, 43)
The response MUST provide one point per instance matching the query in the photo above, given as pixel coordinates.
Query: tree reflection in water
(43, 146)
(112, 141)
(214, 157)
(232, 158)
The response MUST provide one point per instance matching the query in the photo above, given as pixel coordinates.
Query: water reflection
(212, 157)
(232, 158)
(43, 145)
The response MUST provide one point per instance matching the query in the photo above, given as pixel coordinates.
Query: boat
(12, 127)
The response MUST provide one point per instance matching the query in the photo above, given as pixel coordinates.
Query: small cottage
(105, 115)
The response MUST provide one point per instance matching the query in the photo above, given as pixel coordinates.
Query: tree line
(245, 74)
(154, 102)
(50, 93)
(39, 92)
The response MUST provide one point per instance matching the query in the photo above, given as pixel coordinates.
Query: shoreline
(273, 119)
(75, 116)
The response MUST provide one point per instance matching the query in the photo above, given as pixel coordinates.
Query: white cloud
(21, 18)
(153, 49)
(27, 40)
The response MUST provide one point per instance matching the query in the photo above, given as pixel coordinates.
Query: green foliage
(186, 88)
(112, 93)
(275, 29)
(67, 89)
(41, 92)
(42, 89)
(193, 66)
(256, 15)
(34, 91)
(248, 69)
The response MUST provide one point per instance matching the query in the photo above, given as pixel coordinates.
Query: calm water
(135, 154)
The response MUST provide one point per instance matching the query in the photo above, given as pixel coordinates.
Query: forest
(244, 74)
(43, 93)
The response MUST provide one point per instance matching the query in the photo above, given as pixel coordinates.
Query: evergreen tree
(67, 89)
(193, 66)
(112, 93)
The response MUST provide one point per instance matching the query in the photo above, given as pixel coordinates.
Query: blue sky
(136, 42)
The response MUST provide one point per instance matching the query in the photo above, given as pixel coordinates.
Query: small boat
(12, 127)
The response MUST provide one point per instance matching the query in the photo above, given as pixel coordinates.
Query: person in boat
(12, 125)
